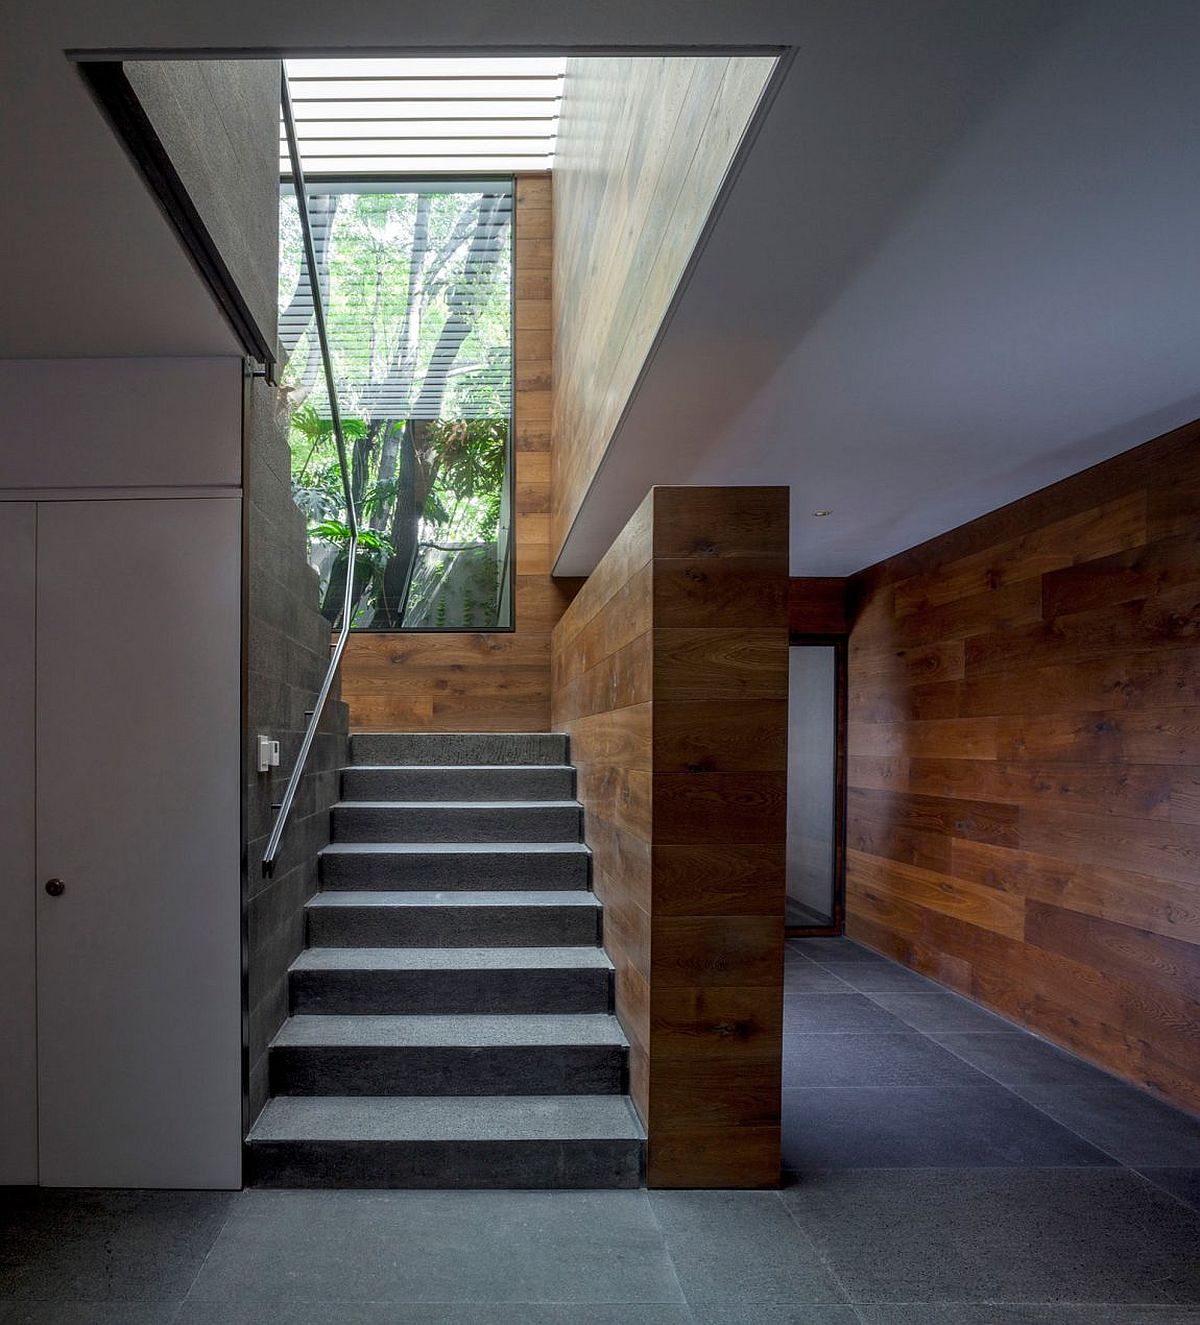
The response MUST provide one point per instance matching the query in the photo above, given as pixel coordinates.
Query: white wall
(113, 423)
(18, 1007)
(133, 470)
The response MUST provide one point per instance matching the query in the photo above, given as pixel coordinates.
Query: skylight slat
(426, 66)
(411, 115)
(428, 89)
(402, 165)
(467, 145)
(372, 130)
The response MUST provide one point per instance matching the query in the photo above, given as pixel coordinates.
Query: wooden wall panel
(1024, 762)
(670, 675)
(488, 681)
(817, 606)
(644, 144)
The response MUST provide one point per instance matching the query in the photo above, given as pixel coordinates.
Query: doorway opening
(816, 787)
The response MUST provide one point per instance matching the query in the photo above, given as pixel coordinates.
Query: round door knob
(55, 887)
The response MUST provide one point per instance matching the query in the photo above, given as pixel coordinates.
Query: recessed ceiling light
(822, 512)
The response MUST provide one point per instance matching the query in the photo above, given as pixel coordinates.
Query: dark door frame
(839, 645)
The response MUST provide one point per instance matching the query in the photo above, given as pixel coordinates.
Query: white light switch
(268, 754)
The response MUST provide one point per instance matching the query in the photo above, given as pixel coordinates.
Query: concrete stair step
(459, 748)
(576, 1141)
(478, 980)
(456, 919)
(543, 1054)
(466, 782)
(457, 821)
(440, 866)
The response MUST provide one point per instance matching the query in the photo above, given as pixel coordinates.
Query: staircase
(451, 1018)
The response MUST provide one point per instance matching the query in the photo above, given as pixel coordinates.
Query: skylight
(416, 116)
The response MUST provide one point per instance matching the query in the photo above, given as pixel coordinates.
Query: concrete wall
(219, 123)
(287, 646)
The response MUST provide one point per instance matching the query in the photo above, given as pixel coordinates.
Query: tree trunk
(335, 590)
(418, 462)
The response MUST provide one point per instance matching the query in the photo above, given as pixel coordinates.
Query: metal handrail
(310, 257)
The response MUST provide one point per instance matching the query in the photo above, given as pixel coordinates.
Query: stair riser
(469, 991)
(449, 872)
(459, 748)
(452, 927)
(458, 784)
(446, 1164)
(448, 1070)
(441, 824)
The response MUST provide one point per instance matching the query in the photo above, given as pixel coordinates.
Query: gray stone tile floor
(943, 1168)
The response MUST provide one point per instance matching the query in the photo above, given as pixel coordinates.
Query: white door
(18, 1007)
(138, 773)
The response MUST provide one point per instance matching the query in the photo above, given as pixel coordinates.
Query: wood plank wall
(1024, 762)
(644, 144)
(670, 675)
(817, 606)
(488, 681)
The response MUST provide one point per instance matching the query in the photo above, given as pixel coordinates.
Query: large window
(417, 284)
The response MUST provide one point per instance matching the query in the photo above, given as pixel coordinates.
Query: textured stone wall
(287, 642)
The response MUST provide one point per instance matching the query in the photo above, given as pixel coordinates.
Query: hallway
(949, 1170)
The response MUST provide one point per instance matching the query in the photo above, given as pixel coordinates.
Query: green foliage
(394, 267)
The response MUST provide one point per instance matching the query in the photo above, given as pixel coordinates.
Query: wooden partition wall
(670, 676)
(1024, 762)
(644, 147)
(488, 680)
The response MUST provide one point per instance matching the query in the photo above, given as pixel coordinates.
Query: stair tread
(458, 805)
(451, 848)
(447, 1118)
(500, 897)
(430, 1030)
(451, 959)
(458, 768)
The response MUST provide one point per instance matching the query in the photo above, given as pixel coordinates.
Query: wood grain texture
(1024, 762)
(481, 681)
(817, 605)
(644, 145)
(670, 675)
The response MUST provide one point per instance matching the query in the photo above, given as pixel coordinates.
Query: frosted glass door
(812, 785)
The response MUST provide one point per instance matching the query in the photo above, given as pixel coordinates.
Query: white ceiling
(1031, 308)
(960, 260)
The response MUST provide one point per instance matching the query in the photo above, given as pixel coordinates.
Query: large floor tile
(939, 1010)
(931, 1126)
(801, 975)
(740, 1247)
(835, 950)
(432, 1313)
(881, 977)
(1131, 1125)
(847, 1013)
(1011, 1235)
(743, 1313)
(1029, 1313)
(468, 1246)
(95, 1246)
(1183, 1184)
(88, 1313)
(1019, 1059)
(902, 1058)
